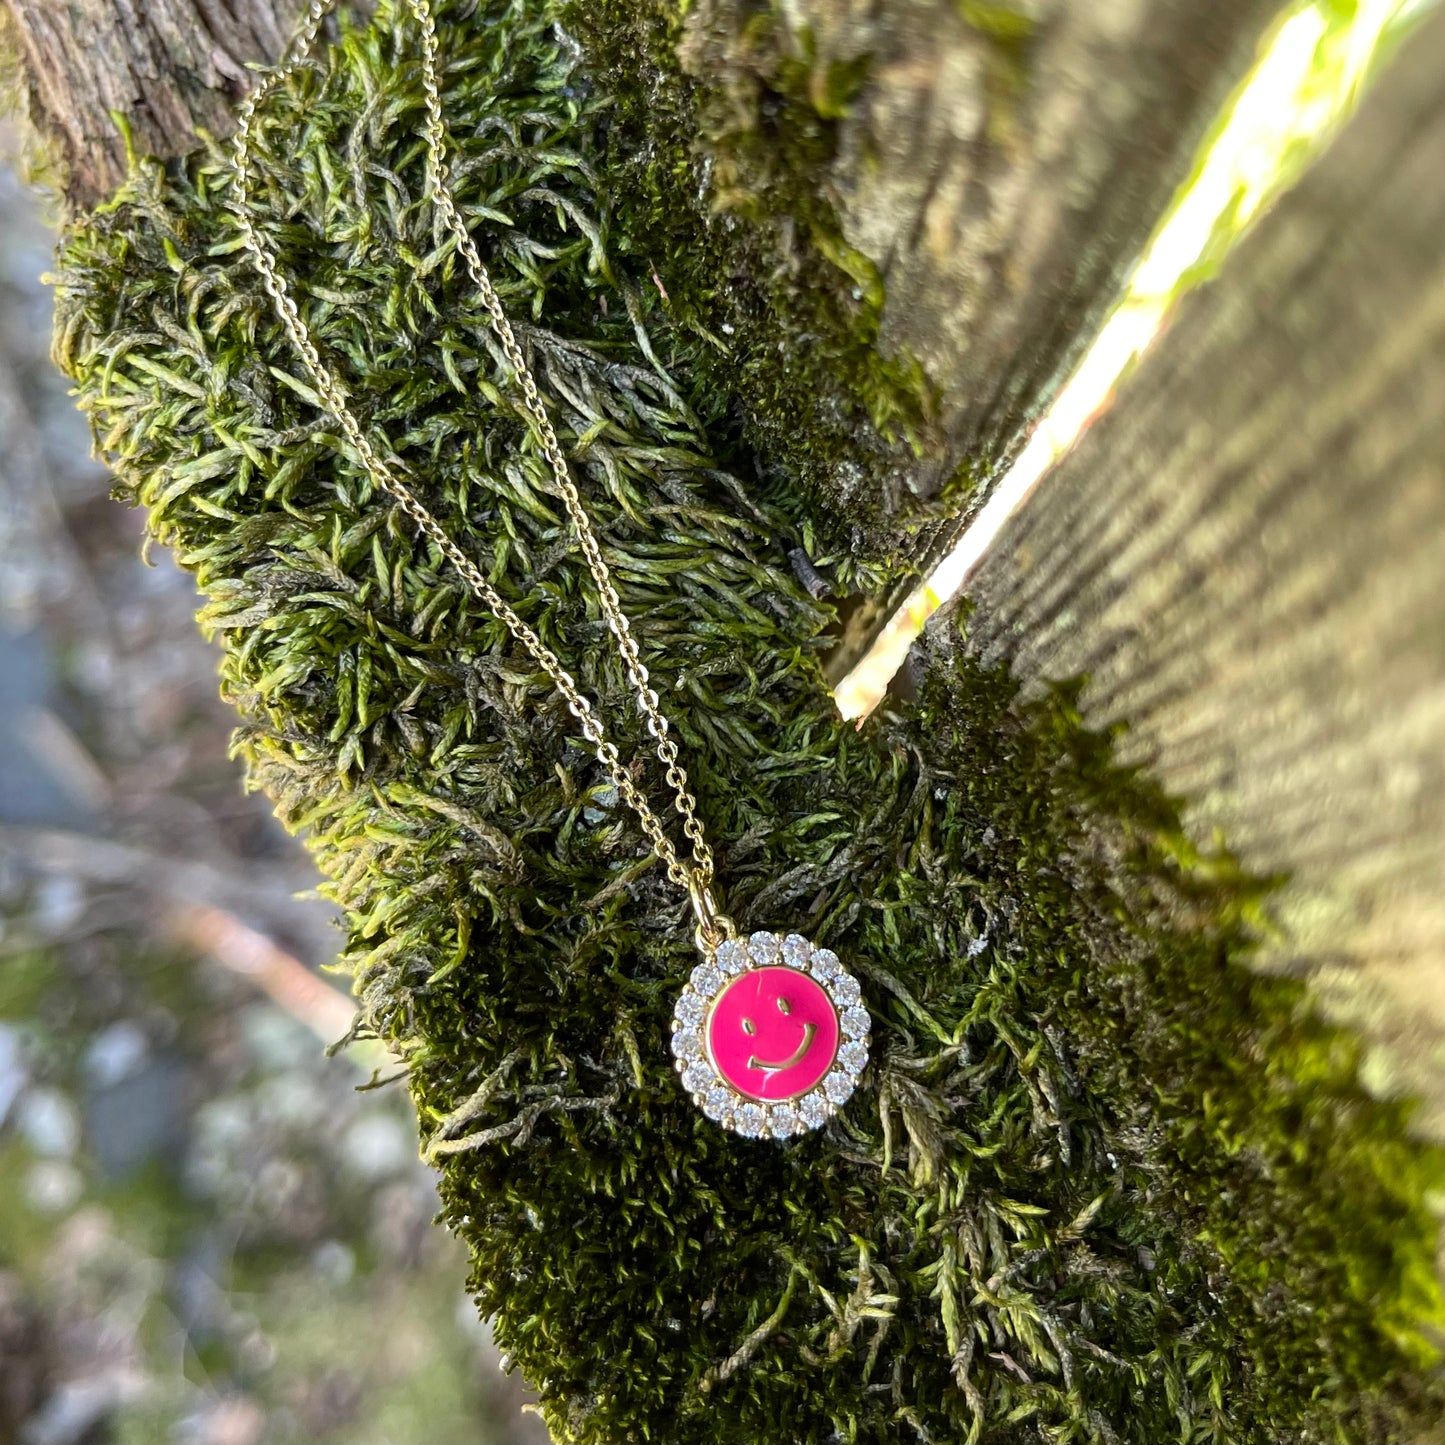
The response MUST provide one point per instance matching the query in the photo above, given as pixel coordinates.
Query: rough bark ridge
(1100, 1182)
(999, 166)
(168, 68)
(1244, 556)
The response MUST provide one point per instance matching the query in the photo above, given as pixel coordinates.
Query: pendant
(770, 1035)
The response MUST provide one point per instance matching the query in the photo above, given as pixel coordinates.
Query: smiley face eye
(784, 1007)
(749, 1027)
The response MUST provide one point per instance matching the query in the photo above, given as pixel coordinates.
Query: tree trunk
(1003, 166)
(166, 68)
(1244, 557)
(1087, 1140)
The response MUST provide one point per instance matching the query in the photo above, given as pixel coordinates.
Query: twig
(750, 1346)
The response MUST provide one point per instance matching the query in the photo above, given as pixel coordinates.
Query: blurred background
(210, 1232)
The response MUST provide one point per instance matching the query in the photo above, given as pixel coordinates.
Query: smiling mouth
(809, 1030)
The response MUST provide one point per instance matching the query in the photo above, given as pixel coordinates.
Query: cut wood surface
(1245, 556)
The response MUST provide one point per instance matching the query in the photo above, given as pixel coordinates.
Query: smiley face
(773, 1033)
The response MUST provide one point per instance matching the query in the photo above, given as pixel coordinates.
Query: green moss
(1101, 1183)
(716, 171)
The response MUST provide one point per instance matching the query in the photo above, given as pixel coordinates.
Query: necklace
(769, 1033)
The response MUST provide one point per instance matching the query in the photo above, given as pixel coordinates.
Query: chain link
(695, 877)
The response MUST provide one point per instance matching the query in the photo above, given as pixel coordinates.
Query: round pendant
(770, 1035)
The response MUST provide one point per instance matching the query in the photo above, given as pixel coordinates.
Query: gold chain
(696, 877)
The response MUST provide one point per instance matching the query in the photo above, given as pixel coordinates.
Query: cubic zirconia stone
(856, 1023)
(796, 950)
(751, 1120)
(846, 990)
(717, 1103)
(824, 963)
(814, 1109)
(732, 956)
(697, 1077)
(853, 1056)
(687, 1044)
(689, 1009)
(783, 1120)
(763, 947)
(838, 1087)
(707, 979)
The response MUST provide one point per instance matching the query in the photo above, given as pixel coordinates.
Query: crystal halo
(770, 1035)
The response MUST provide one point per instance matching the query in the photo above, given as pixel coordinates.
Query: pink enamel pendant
(770, 1035)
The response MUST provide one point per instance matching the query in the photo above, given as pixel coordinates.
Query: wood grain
(1245, 556)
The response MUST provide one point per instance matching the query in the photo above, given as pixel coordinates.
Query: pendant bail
(713, 925)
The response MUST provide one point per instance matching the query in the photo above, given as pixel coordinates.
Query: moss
(1101, 1182)
(719, 131)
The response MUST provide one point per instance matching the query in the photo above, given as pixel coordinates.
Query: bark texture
(1244, 555)
(166, 67)
(1001, 166)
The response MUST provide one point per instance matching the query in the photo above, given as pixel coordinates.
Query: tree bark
(1002, 166)
(1244, 557)
(167, 68)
